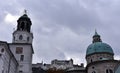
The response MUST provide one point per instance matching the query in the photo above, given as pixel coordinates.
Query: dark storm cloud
(64, 28)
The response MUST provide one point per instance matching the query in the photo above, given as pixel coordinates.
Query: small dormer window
(20, 37)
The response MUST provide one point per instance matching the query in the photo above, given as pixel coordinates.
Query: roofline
(76, 70)
(99, 53)
(23, 31)
(3, 42)
(7, 45)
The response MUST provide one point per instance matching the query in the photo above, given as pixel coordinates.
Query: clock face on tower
(19, 50)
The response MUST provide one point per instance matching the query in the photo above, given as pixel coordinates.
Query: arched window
(22, 26)
(93, 72)
(28, 27)
(20, 37)
(109, 71)
(28, 38)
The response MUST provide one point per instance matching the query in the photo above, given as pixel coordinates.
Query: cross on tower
(25, 11)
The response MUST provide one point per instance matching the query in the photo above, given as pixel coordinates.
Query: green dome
(98, 47)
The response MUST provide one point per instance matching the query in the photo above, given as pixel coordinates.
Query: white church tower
(21, 45)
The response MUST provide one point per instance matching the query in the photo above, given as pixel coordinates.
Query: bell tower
(23, 32)
(21, 45)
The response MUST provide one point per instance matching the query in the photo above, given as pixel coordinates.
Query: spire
(25, 11)
(24, 23)
(96, 37)
(96, 32)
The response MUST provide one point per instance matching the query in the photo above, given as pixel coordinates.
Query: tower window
(19, 50)
(28, 38)
(21, 57)
(28, 27)
(20, 71)
(20, 37)
(22, 26)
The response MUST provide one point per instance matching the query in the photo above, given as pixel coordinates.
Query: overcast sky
(63, 29)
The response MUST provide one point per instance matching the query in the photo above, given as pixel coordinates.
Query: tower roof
(24, 17)
(24, 23)
(98, 46)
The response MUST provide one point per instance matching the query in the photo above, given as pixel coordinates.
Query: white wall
(7, 62)
(26, 64)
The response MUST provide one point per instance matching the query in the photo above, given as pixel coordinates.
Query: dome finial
(24, 22)
(96, 37)
(96, 32)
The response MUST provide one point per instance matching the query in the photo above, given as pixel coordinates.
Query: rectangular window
(19, 50)
(21, 57)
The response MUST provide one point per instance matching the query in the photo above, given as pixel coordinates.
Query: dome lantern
(96, 37)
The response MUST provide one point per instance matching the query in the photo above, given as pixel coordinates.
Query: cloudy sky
(64, 28)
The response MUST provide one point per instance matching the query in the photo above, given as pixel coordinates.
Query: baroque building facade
(21, 45)
(100, 57)
(16, 57)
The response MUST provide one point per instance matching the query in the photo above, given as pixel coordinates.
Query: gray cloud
(64, 28)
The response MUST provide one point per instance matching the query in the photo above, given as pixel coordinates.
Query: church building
(16, 57)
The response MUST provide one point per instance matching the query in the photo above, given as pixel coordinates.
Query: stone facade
(23, 54)
(102, 66)
(8, 63)
(99, 57)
